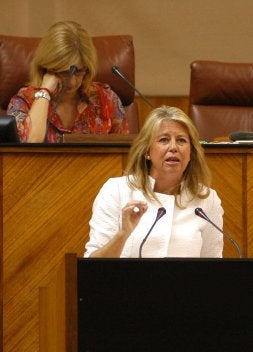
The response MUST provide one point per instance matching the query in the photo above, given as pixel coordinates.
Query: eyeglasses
(65, 74)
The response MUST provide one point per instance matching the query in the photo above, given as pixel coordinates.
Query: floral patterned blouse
(101, 113)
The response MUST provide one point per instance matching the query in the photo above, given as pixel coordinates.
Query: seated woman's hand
(52, 83)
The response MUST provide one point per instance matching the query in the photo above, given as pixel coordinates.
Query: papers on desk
(243, 142)
(240, 142)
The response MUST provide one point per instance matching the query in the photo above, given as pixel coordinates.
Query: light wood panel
(1, 254)
(46, 206)
(248, 195)
(227, 180)
(58, 309)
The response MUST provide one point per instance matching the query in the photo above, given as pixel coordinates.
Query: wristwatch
(42, 94)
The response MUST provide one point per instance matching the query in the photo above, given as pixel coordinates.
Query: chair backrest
(221, 98)
(17, 52)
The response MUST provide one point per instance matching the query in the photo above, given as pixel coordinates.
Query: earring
(148, 157)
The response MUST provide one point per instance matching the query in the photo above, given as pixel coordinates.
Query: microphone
(117, 72)
(200, 212)
(160, 213)
(241, 136)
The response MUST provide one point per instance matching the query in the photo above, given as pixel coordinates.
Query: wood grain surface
(46, 199)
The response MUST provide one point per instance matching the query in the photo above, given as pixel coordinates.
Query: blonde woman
(61, 96)
(166, 171)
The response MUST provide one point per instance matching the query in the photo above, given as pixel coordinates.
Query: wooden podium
(46, 194)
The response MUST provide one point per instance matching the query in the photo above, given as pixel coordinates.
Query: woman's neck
(165, 186)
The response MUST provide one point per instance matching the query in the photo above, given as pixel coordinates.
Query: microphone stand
(200, 212)
(160, 213)
(145, 238)
(116, 70)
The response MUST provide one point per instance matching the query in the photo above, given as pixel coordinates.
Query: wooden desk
(232, 172)
(45, 205)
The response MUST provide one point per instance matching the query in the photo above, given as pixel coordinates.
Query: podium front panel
(133, 305)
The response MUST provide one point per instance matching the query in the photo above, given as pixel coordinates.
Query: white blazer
(179, 233)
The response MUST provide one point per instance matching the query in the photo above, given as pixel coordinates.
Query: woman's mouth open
(172, 160)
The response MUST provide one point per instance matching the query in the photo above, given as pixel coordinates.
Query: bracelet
(46, 89)
(42, 94)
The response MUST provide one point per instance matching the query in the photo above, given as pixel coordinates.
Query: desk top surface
(116, 143)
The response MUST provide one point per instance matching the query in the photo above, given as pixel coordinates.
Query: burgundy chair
(221, 98)
(16, 54)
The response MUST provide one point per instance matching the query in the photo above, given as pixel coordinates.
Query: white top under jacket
(179, 233)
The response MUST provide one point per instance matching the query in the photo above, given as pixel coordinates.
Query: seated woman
(61, 96)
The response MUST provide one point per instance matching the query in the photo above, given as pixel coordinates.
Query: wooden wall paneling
(1, 254)
(58, 309)
(248, 191)
(227, 179)
(46, 208)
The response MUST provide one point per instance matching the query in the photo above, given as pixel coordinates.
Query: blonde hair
(196, 177)
(64, 43)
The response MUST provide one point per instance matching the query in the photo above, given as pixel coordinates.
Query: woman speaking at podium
(150, 211)
(61, 96)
